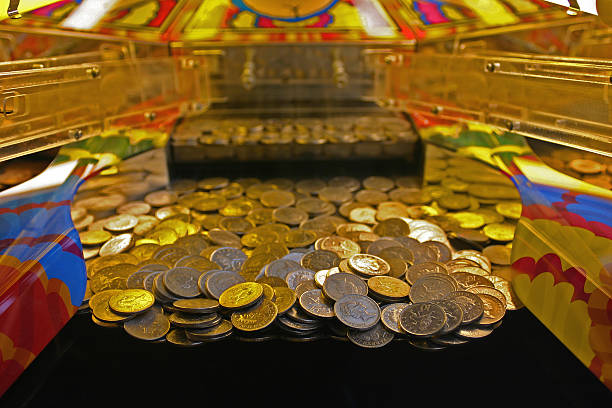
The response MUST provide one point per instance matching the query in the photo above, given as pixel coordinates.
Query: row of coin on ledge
(306, 246)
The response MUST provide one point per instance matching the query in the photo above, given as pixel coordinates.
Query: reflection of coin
(377, 336)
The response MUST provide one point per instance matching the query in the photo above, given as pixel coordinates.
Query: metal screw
(491, 66)
(76, 134)
(389, 59)
(437, 109)
(150, 116)
(93, 72)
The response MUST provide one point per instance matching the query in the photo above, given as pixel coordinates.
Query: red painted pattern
(64, 241)
(29, 206)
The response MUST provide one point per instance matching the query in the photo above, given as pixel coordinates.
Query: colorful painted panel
(562, 250)
(42, 271)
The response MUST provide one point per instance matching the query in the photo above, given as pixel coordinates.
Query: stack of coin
(299, 260)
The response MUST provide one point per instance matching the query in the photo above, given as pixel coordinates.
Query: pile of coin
(285, 138)
(471, 201)
(17, 171)
(299, 260)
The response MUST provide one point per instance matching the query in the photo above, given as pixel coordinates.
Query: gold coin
(94, 237)
(289, 215)
(144, 251)
(121, 223)
(189, 200)
(256, 238)
(489, 291)
(100, 263)
(393, 227)
(490, 216)
(170, 211)
(336, 195)
(237, 225)
(389, 287)
(498, 254)
(343, 247)
(239, 207)
(256, 190)
(509, 209)
(391, 209)
(454, 202)
(499, 231)
(134, 208)
(208, 204)
(494, 192)
(253, 265)
(101, 298)
(117, 245)
(273, 281)
(255, 318)
(233, 190)
(213, 183)
(277, 198)
(131, 301)
(112, 277)
(299, 238)
(77, 213)
(454, 184)
(101, 203)
(363, 215)
(268, 291)
(369, 265)
(494, 309)
(586, 166)
(84, 222)
(261, 215)
(378, 183)
(373, 197)
(160, 198)
(468, 219)
(285, 299)
(241, 295)
(164, 236)
(224, 238)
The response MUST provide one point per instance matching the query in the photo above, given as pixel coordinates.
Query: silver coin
(280, 268)
(357, 311)
(297, 314)
(414, 272)
(160, 291)
(377, 336)
(341, 284)
(454, 315)
(376, 247)
(136, 280)
(202, 281)
(150, 325)
(443, 251)
(470, 303)
(298, 326)
(219, 281)
(305, 287)
(229, 258)
(170, 253)
(182, 281)
(296, 277)
(422, 319)
(149, 280)
(294, 256)
(314, 304)
(390, 316)
(433, 286)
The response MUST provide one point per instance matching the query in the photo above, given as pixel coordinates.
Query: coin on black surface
(315, 304)
(178, 337)
(341, 284)
(390, 316)
(454, 315)
(470, 303)
(377, 336)
(151, 325)
(197, 305)
(422, 319)
(194, 321)
(357, 311)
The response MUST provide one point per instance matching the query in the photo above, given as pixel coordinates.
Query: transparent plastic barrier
(562, 100)
(41, 108)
